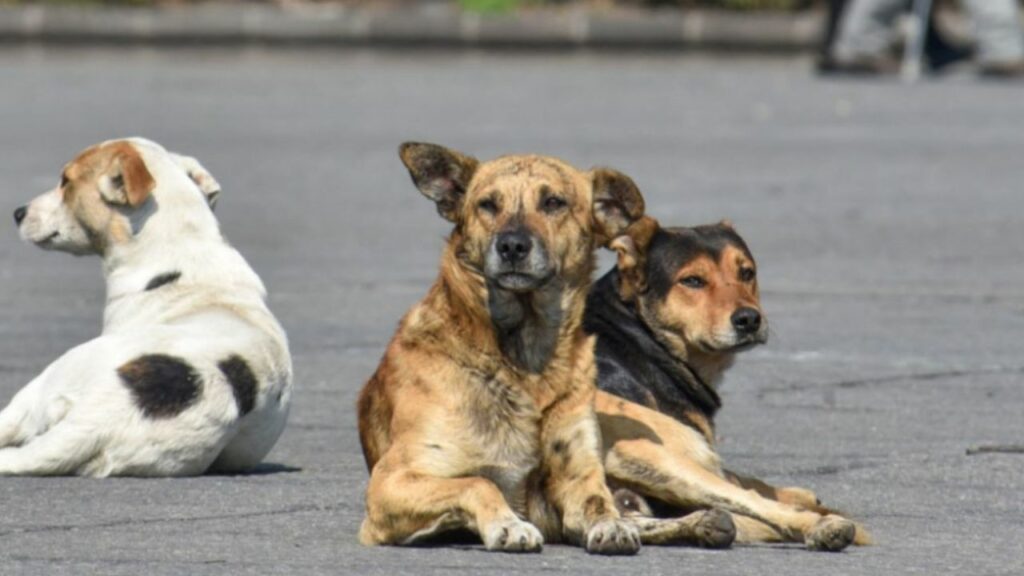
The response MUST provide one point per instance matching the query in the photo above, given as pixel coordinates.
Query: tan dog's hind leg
(405, 507)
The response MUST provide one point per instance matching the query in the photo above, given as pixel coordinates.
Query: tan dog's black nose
(19, 214)
(514, 246)
(746, 320)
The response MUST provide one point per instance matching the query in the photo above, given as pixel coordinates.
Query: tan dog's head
(522, 220)
(696, 288)
(101, 191)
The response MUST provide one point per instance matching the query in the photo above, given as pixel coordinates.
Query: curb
(429, 24)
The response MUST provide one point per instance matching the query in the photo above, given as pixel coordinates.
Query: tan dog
(669, 320)
(480, 415)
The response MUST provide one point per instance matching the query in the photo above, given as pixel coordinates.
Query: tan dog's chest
(503, 440)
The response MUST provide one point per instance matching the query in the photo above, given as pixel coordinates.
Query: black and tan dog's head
(522, 220)
(696, 288)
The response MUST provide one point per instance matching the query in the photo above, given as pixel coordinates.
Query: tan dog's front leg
(576, 484)
(404, 507)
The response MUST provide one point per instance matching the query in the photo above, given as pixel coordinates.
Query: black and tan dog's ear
(631, 248)
(207, 184)
(127, 181)
(441, 174)
(617, 203)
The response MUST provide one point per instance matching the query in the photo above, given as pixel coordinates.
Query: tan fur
(657, 456)
(81, 186)
(455, 431)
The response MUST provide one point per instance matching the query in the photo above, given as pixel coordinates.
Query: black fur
(527, 324)
(631, 363)
(163, 279)
(162, 386)
(243, 382)
(671, 248)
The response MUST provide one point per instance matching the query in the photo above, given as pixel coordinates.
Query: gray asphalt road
(888, 221)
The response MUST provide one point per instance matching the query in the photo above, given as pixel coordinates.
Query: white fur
(78, 417)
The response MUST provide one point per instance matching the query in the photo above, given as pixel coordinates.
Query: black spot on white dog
(162, 279)
(162, 386)
(243, 382)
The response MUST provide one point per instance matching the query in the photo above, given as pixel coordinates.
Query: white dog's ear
(127, 182)
(207, 184)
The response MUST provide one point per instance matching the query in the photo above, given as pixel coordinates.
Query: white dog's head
(105, 194)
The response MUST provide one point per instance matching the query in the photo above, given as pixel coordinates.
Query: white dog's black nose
(19, 214)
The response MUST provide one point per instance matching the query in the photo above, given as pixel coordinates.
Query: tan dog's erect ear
(207, 184)
(617, 203)
(127, 181)
(631, 249)
(440, 174)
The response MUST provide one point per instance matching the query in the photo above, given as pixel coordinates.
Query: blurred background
(885, 209)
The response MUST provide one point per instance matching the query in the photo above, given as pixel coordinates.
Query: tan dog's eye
(695, 282)
(63, 180)
(747, 274)
(488, 205)
(554, 204)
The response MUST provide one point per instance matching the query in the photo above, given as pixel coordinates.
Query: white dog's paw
(613, 537)
(513, 536)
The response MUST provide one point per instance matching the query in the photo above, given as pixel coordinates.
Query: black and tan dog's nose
(513, 247)
(746, 320)
(19, 214)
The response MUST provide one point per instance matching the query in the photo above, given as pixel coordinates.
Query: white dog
(192, 372)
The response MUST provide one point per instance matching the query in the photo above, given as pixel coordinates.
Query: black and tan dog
(669, 319)
(480, 415)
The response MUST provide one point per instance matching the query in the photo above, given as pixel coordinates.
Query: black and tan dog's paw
(714, 528)
(831, 534)
(613, 537)
(513, 536)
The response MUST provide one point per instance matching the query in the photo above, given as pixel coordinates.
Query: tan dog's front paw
(613, 537)
(714, 529)
(831, 534)
(513, 536)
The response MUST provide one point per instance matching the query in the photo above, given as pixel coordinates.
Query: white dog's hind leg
(23, 419)
(63, 449)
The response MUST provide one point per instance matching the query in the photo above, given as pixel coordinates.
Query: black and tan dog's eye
(554, 204)
(747, 274)
(488, 205)
(693, 282)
